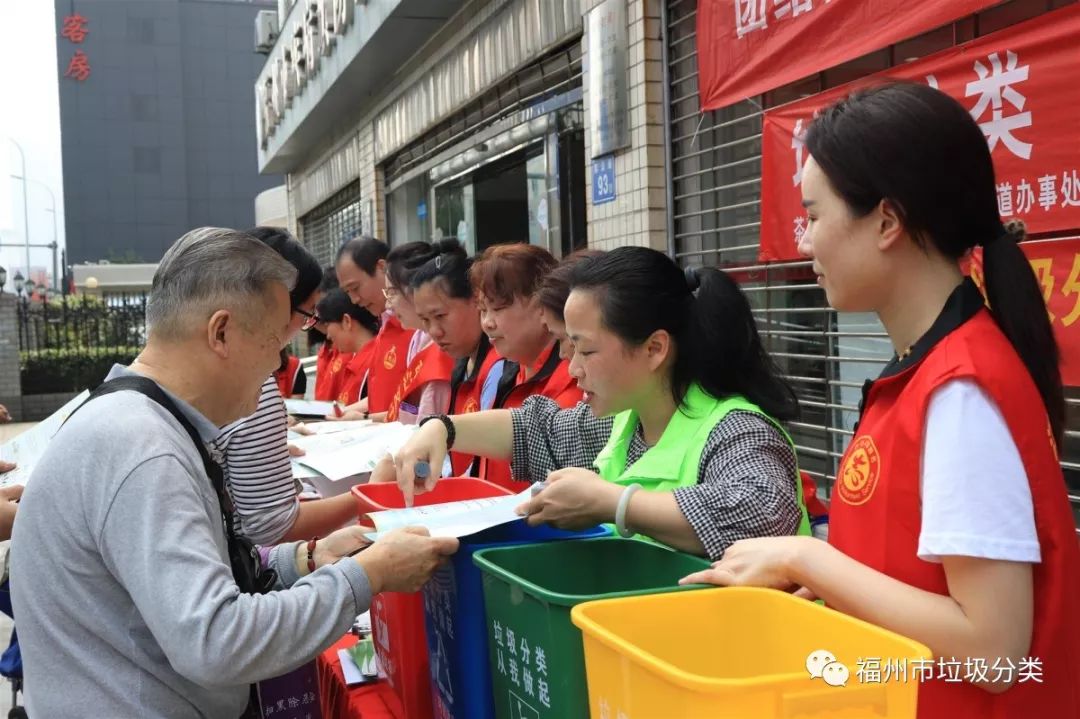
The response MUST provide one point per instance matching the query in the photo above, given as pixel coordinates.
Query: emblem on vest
(410, 375)
(390, 358)
(470, 406)
(860, 471)
(336, 367)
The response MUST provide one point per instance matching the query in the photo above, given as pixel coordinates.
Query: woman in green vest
(678, 437)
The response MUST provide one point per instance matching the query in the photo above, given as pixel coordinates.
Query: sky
(30, 76)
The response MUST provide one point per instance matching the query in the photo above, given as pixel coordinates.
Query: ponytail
(404, 260)
(725, 352)
(449, 265)
(1020, 310)
(717, 344)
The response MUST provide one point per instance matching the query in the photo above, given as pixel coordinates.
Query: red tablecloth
(368, 701)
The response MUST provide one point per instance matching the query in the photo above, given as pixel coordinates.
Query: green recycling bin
(537, 660)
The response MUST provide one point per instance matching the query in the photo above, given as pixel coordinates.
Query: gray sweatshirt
(124, 600)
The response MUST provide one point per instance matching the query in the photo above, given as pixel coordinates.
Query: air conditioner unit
(266, 31)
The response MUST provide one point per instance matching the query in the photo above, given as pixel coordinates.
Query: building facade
(156, 122)
(568, 123)
(471, 122)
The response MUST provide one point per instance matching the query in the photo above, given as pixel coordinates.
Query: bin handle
(800, 703)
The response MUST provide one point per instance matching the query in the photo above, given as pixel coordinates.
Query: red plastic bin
(397, 618)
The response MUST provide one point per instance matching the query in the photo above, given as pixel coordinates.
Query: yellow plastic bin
(743, 653)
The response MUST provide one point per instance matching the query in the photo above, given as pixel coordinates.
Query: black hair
(449, 266)
(921, 151)
(329, 279)
(716, 339)
(365, 252)
(555, 287)
(309, 274)
(404, 260)
(335, 304)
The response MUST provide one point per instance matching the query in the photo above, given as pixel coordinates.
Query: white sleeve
(976, 500)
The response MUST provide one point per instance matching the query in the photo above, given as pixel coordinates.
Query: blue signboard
(603, 180)
(421, 209)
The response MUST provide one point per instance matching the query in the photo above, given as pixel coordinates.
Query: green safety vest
(673, 462)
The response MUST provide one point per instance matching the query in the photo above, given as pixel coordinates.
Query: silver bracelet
(620, 511)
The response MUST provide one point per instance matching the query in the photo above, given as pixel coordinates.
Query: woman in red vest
(506, 279)
(425, 387)
(328, 360)
(352, 329)
(446, 307)
(291, 380)
(950, 521)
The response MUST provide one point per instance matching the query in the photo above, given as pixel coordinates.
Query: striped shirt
(258, 470)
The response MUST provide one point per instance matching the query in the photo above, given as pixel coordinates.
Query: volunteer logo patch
(860, 471)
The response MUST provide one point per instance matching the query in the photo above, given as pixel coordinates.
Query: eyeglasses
(310, 318)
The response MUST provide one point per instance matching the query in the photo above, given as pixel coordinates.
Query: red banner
(746, 47)
(1018, 84)
(1056, 264)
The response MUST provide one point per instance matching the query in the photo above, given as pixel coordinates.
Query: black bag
(243, 556)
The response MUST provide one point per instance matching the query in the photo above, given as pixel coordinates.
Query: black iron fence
(80, 323)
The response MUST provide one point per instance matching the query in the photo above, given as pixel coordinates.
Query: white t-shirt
(976, 501)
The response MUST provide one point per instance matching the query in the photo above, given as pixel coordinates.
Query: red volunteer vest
(430, 364)
(286, 378)
(875, 513)
(388, 364)
(465, 395)
(328, 369)
(356, 372)
(551, 380)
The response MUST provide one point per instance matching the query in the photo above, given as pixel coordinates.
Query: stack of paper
(26, 449)
(309, 408)
(309, 428)
(452, 519)
(357, 451)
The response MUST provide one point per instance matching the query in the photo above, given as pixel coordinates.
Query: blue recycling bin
(454, 618)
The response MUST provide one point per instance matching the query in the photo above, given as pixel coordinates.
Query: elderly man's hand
(5, 416)
(340, 544)
(404, 559)
(6, 466)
